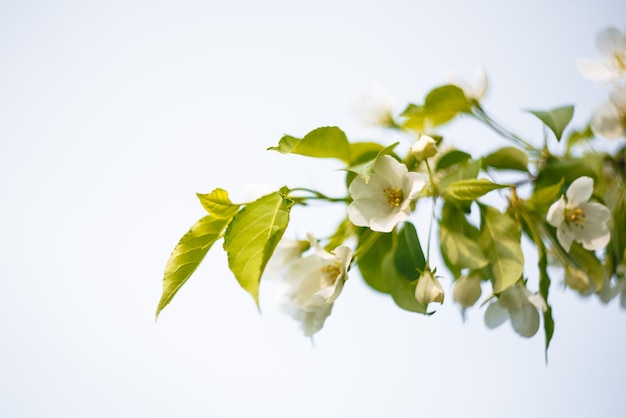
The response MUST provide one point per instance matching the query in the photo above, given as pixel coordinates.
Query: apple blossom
(315, 282)
(577, 219)
(520, 306)
(385, 199)
(612, 44)
(609, 119)
(428, 288)
(424, 147)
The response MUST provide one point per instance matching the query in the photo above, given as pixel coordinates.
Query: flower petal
(391, 170)
(413, 184)
(565, 235)
(596, 71)
(495, 315)
(385, 221)
(610, 41)
(606, 122)
(525, 321)
(556, 213)
(579, 191)
(361, 212)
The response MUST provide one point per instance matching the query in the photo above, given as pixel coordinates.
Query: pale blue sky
(115, 113)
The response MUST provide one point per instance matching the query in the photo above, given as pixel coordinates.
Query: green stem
(316, 196)
(480, 114)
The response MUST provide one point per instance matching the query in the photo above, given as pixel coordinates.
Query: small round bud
(424, 147)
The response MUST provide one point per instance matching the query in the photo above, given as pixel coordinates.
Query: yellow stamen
(576, 216)
(394, 196)
(330, 273)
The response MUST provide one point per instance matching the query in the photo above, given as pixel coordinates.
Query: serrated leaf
(508, 158)
(556, 119)
(451, 158)
(365, 170)
(252, 236)
(372, 248)
(408, 256)
(188, 254)
(500, 241)
(325, 142)
(218, 204)
(459, 240)
(470, 189)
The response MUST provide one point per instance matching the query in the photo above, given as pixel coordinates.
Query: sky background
(114, 114)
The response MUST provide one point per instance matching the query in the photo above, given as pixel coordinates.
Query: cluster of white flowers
(314, 281)
(609, 119)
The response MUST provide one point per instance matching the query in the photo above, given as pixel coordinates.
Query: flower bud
(576, 279)
(424, 147)
(466, 290)
(428, 289)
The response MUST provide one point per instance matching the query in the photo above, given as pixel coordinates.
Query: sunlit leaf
(440, 106)
(556, 119)
(545, 196)
(365, 170)
(459, 240)
(325, 142)
(218, 204)
(500, 241)
(188, 254)
(470, 189)
(508, 158)
(252, 237)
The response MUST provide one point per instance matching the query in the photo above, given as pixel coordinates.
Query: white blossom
(612, 68)
(520, 306)
(385, 199)
(315, 282)
(428, 289)
(473, 92)
(424, 147)
(375, 108)
(466, 290)
(577, 219)
(609, 119)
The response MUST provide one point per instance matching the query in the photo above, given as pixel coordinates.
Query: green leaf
(188, 254)
(252, 237)
(556, 119)
(325, 142)
(470, 189)
(544, 196)
(342, 233)
(440, 106)
(576, 137)
(508, 158)
(372, 248)
(408, 257)
(365, 170)
(459, 240)
(591, 165)
(402, 290)
(451, 158)
(218, 204)
(363, 151)
(500, 241)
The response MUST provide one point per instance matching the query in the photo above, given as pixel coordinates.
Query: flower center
(394, 196)
(330, 272)
(576, 217)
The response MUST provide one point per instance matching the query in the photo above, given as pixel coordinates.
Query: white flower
(386, 198)
(579, 220)
(473, 92)
(424, 147)
(609, 119)
(375, 108)
(466, 290)
(286, 252)
(612, 44)
(518, 304)
(428, 289)
(315, 282)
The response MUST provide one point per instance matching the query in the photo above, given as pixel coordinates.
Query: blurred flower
(424, 147)
(466, 290)
(612, 69)
(428, 288)
(473, 92)
(315, 282)
(375, 108)
(578, 219)
(385, 199)
(576, 279)
(609, 119)
(518, 304)
(286, 252)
